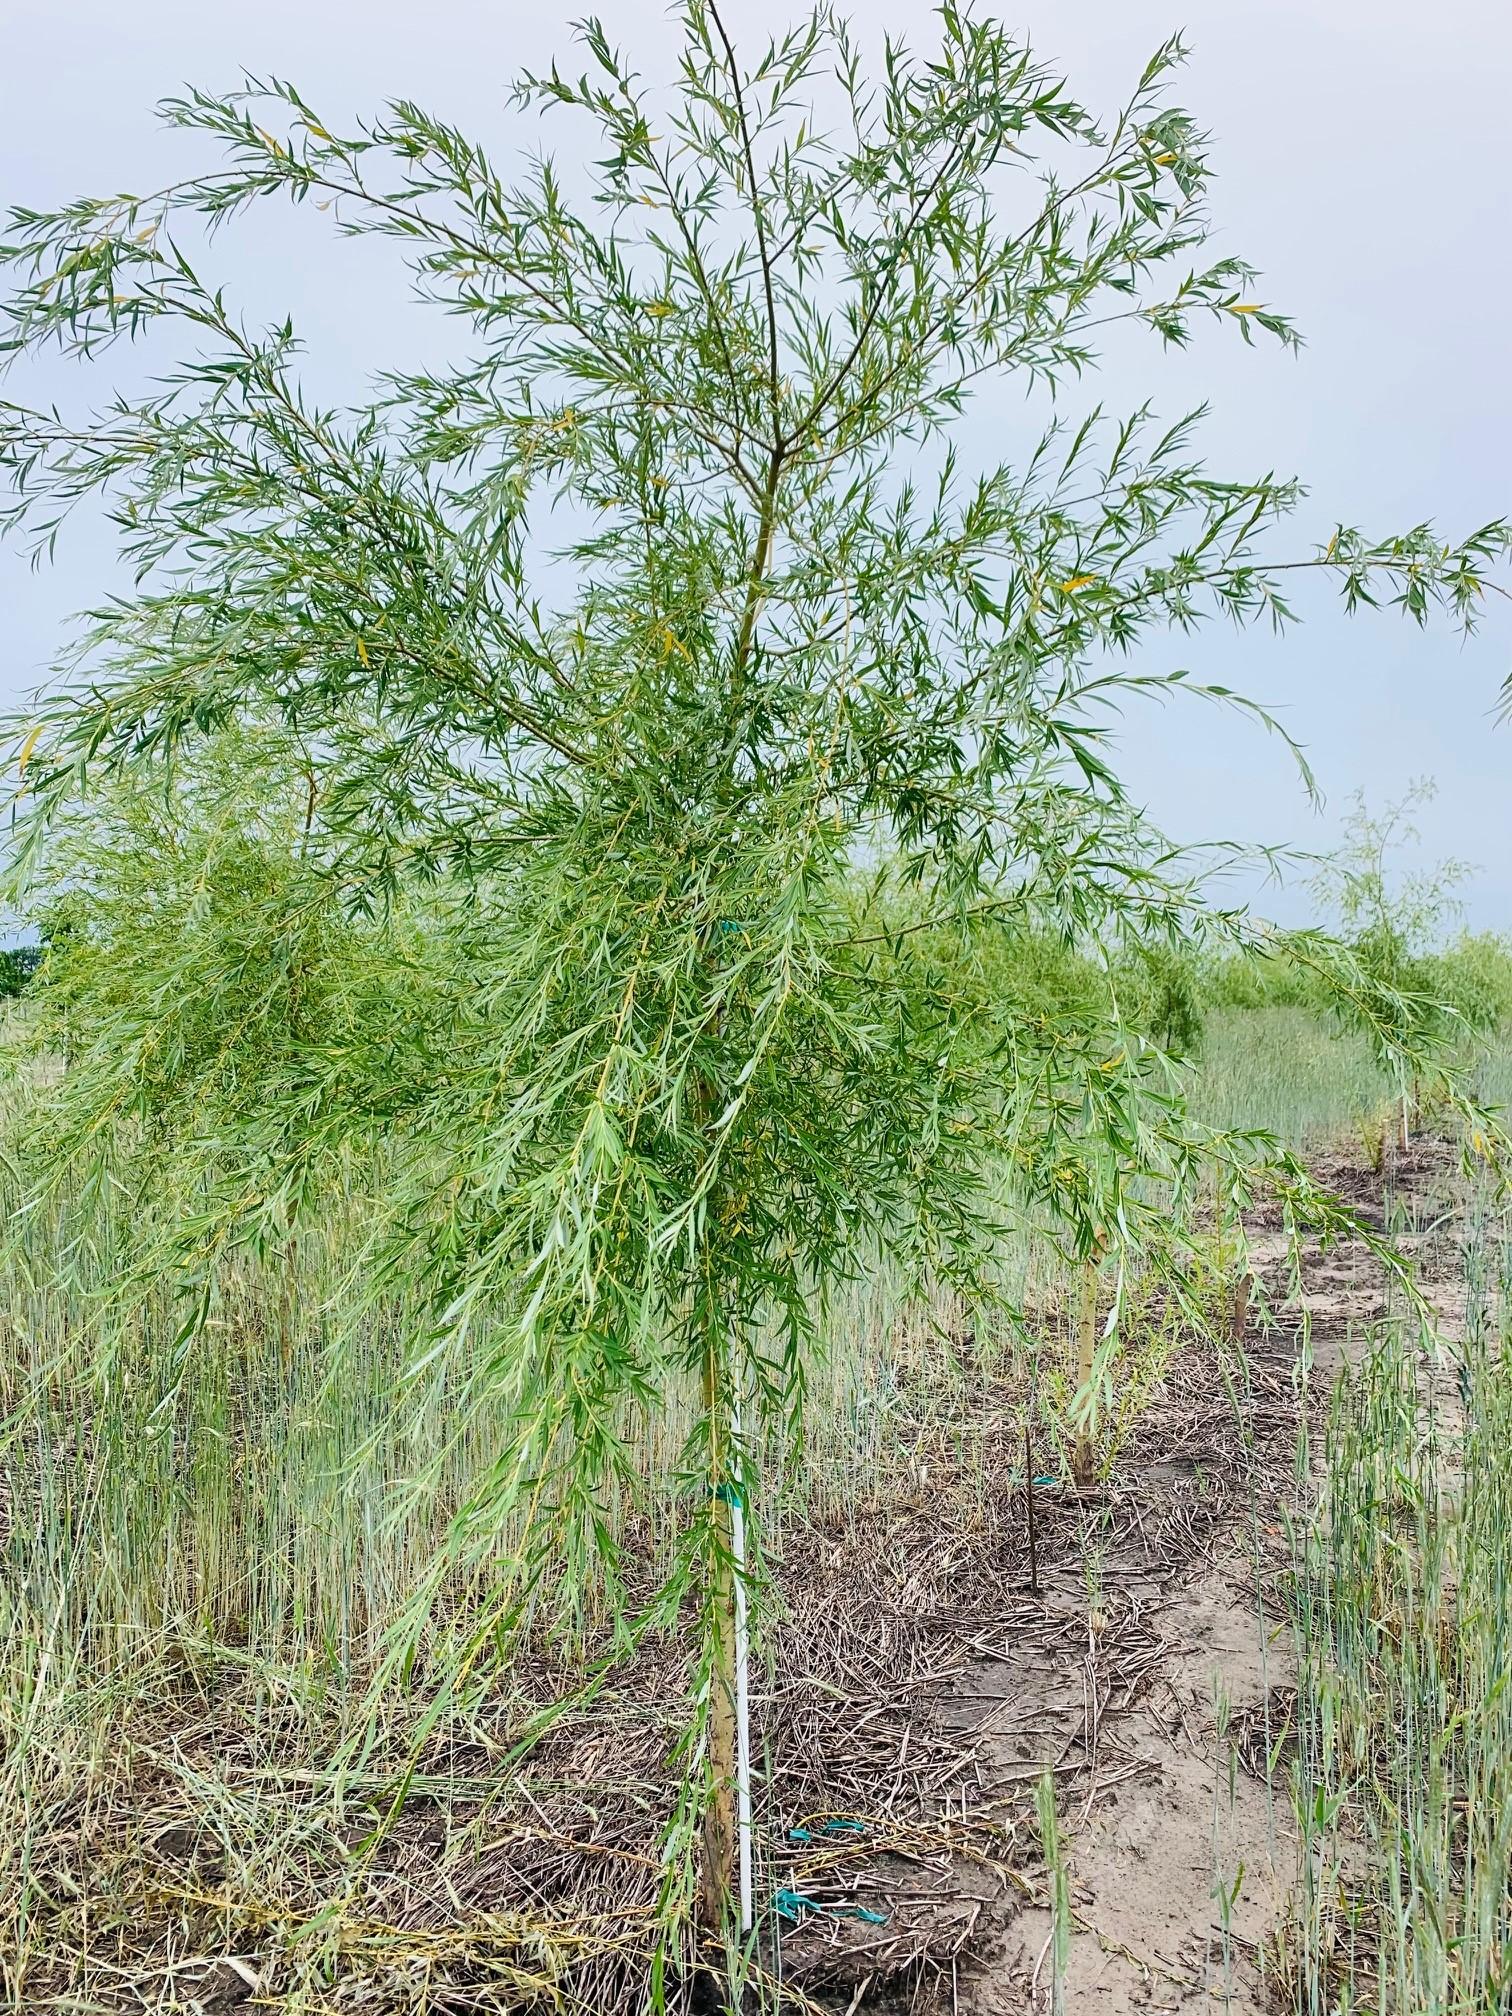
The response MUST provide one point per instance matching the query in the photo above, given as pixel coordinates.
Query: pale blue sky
(1364, 167)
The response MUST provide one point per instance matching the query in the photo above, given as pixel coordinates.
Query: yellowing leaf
(319, 131)
(658, 307)
(362, 653)
(27, 747)
(1165, 160)
(1077, 581)
(1245, 307)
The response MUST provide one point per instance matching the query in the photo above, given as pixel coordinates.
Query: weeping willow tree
(634, 641)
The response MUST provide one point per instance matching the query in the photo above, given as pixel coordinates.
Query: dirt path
(1180, 1856)
(1183, 1826)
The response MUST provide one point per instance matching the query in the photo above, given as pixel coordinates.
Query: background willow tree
(1392, 917)
(629, 642)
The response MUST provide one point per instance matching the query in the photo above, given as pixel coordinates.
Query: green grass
(1285, 1070)
(1404, 1629)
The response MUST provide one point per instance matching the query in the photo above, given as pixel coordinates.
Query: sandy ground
(1179, 1867)
(1180, 1855)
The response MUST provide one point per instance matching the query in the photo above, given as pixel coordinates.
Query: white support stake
(742, 1693)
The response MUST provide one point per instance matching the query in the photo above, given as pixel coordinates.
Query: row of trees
(1399, 923)
(546, 716)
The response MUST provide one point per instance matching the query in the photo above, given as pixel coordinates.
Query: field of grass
(1403, 1615)
(235, 1551)
(1282, 1069)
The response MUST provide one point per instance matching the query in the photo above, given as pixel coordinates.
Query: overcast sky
(1363, 165)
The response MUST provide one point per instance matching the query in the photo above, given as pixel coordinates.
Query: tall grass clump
(1404, 1617)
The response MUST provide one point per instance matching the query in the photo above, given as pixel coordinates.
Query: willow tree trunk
(1239, 1303)
(1234, 1279)
(719, 1845)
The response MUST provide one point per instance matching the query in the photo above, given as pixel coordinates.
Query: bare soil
(1181, 1850)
